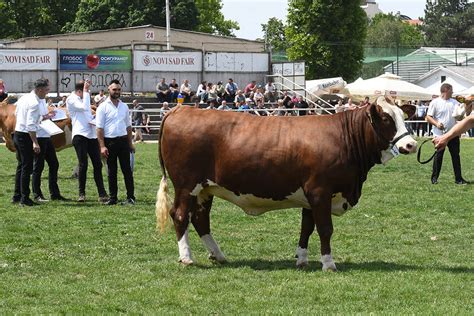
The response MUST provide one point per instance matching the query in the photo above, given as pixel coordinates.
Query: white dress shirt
(27, 113)
(114, 120)
(442, 110)
(43, 110)
(81, 115)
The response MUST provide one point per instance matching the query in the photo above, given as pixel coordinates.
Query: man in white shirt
(440, 115)
(99, 98)
(47, 153)
(84, 139)
(28, 118)
(114, 133)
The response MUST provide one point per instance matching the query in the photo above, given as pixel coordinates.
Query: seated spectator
(212, 92)
(174, 91)
(340, 107)
(258, 96)
(49, 103)
(251, 87)
(62, 102)
(280, 109)
(202, 91)
(101, 97)
(294, 98)
(349, 105)
(3, 90)
(244, 106)
(230, 90)
(240, 97)
(302, 104)
(212, 105)
(287, 100)
(224, 106)
(185, 90)
(270, 91)
(162, 91)
(260, 109)
(220, 89)
(164, 109)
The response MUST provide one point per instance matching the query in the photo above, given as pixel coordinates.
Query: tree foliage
(329, 35)
(274, 35)
(449, 22)
(387, 30)
(101, 14)
(211, 19)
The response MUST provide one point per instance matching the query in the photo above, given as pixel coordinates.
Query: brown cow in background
(8, 121)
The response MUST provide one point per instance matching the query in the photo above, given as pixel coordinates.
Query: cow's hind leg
(180, 213)
(201, 223)
(307, 228)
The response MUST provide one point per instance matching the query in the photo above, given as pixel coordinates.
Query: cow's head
(402, 142)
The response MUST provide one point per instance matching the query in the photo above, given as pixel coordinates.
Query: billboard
(167, 61)
(12, 59)
(95, 60)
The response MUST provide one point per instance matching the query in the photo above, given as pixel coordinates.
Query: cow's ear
(373, 112)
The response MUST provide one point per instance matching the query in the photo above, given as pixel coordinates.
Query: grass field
(407, 248)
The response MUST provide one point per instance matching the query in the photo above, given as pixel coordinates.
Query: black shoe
(111, 202)
(27, 203)
(40, 199)
(15, 200)
(434, 181)
(58, 198)
(104, 199)
(128, 201)
(462, 182)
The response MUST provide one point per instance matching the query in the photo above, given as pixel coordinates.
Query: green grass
(407, 248)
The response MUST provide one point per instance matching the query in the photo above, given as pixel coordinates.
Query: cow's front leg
(321, 207)
(307, 228)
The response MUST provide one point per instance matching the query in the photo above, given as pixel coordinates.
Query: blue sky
(250, 14)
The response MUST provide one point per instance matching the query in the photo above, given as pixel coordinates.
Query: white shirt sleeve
(32, 116)
(100, 117)
(74, 103)
(127, 119)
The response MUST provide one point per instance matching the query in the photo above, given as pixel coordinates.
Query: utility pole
(168, 46)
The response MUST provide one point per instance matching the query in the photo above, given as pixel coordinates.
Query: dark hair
(115, 81)
(41, 83)
(79, 86)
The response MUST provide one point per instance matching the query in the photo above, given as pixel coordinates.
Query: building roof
(135, 36)
(465, 72)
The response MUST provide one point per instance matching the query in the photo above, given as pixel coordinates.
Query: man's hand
(440, 142)
(104, 152)
(132, 148)
(440, 126)
(36, 148)
(87, 84)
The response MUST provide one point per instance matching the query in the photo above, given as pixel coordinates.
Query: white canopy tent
(468, 93)
(325, 86)
(389, 85)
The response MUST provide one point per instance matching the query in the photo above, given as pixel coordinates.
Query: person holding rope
(460, 128)
(441, 115)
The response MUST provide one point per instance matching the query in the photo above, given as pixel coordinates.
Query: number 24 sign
(149, 35)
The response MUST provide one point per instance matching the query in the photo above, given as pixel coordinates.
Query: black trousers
(119, 149)
(48, 154)
(453, 146)
(85, 146)
(24, 156)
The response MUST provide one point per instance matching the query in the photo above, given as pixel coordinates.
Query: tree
(38, 17)
(9, 25)
(110, 14)
(328, 35)
(211, 19)
(274, 35)
(449, 22)
(387, 30)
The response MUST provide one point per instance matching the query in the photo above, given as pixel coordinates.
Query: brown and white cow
(8, 121)
(318, 163)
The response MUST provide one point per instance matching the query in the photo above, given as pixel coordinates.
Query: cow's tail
(163, 200)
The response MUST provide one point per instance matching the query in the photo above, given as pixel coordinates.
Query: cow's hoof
(329, 268)
(186, 261)
(302, 265)
(218, 259)
(328, 263)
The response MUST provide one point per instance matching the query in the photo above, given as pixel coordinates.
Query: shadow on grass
(373, 266)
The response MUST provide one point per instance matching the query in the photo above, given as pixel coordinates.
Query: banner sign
(95, 60)
(167, 61)
(28, 59)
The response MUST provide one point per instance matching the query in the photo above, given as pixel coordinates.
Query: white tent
(435, 89)
(325, 86)
(388, 85)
